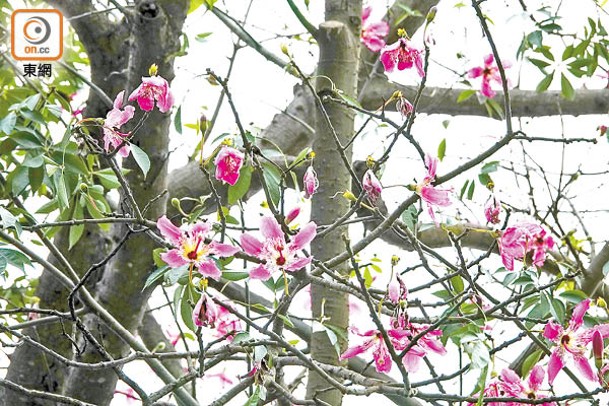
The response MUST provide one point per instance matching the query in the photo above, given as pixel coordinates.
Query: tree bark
(338, 61)
(120, 289)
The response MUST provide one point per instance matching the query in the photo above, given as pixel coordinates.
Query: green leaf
(463, 189)
(177, 122)
(203, 36)
(234, 276)
(541, 65)
(254, 399)
(545, 83)
(60, 190)
(189, 298)
(272, 178)
(566, 88)
(141, 158)
(465, 94)
(530, 362)
(14, 258)
(409, 217)
(574, 296)
(240, 188)
(76, 230)
(442, 149)
(194, 4)
(8, 123)
(156, 276)
(470, 191)
(489, 167)
(457, 283)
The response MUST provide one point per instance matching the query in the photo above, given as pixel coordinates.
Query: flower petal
(357, 349)
(173, 258)
(382, 359)
(584, 367)
(555, 364)
(270, 228)
(297, 264)
(536, 377)
(168, 230)
(552, 331)
(304, 236)
(577, 318)
(251, 244)
(260, 272)
(209, 269)
(224, 250)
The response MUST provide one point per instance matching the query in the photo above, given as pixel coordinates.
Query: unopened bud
(370, 162)
(598, 347)
(203, 123)
(431, 14)
(292, 214)
(285, 50)
(153, 70)
(349, 196)
(394, 260)
(311, 155)
(175, 202)
(600, 302)
(83, 187)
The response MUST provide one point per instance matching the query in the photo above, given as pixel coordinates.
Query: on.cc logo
(36, 34)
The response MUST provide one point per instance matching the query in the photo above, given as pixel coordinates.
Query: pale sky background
(261, 89)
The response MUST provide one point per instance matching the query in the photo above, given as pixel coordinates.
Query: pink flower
(222, 376)
(228, 324)
(509, 384)
(572, 342)
(432, 195)
(191, 247)
(382, 359)
(404, 106)
(276, 252)
(153, 89)
(427, 343)
(373, 34)
(310, 182)
(492, 210)
(602, 129)
(228, 164)
(205, 313)
(519, 239)
(489, 72)
(115, 119)
(396, 289)
(402, 55)
(372, 186)
(129, 393)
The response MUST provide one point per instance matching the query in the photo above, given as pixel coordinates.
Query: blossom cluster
(417, 339)
(154, 90)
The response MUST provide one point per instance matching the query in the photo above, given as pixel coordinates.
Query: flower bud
(394, 260)
(349, 196)
(203, 124)
(370, 162)
(292, 214)
(598, 347)
(175, 202)
(310, 182)
(83, 187)
(153, 70)
(431, 14)
(600, 302)
(284, 49)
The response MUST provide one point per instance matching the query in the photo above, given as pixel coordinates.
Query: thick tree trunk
(338, 61)
(106, 45)
(155, 37)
